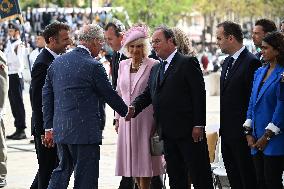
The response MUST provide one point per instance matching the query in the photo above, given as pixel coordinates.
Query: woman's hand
(250, 141)
(261, 143)
(116, 125)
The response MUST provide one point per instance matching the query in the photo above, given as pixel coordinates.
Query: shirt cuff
(48, 129)
(247, 123)
(199, 126)
(273, 128)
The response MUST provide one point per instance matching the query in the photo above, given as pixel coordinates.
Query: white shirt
(237, 54)
(169, 59)
(33, 56)
(16, 61)
(51, 52)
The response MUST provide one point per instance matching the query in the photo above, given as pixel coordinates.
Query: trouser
(269, 170)
(238, 163)
(47, 162)
(83, 159)
(15, 95)
(182, 155)
(3, 151)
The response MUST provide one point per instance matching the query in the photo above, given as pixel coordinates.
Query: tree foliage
(155, 12)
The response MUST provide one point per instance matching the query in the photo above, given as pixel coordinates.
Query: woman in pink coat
(133, 146)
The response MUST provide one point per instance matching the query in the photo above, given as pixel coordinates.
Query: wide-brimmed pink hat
(134, 33)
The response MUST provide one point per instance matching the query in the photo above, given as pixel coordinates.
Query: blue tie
(229, 67)
(162, 70)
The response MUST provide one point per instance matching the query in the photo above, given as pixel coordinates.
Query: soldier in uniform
(15, 52)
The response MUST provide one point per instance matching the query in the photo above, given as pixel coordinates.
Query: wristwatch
(247, 132)
(267, 138)
(268, 134)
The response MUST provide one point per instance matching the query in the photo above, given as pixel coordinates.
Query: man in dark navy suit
(176, 90)
(114, 34)
(236, 84)
(74, 85)
(57, 38)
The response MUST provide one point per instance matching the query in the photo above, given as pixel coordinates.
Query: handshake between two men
(47, 139)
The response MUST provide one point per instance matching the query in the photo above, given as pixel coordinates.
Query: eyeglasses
(155, 42)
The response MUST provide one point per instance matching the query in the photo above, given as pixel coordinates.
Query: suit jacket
(116, 58)
(267, 106)
(39, 71)
(179, 100)
(235, 93)
(3, 81)
(74, 84)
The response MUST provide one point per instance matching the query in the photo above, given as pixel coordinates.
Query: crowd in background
(168, 44)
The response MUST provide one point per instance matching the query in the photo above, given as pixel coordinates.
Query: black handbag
(156, 145)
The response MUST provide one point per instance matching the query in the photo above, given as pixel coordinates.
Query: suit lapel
(223, 73)
(138, 76)
(273, 76)
(49, 56)
(235, 67)
(237, 63)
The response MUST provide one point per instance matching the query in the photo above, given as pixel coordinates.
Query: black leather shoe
(3, 182)
(12, 135)
(19, 135)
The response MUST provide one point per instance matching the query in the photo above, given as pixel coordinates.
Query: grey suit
(74, 85)
(3, 96)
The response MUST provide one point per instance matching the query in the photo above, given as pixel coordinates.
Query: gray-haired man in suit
(75, 84)
(3, 96)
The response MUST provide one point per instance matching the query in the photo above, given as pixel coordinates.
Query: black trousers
(182, 155)
(269, 170)
(15, 95)
(238, 163)
(47, 162)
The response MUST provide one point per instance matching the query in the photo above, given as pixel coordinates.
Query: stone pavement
(22, 162)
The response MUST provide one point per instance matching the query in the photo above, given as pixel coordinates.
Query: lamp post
(91, 14)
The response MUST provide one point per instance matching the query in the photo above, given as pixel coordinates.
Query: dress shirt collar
(83, 47)
(120, 51)
(169, 59)
(52, 52)
(237, 54)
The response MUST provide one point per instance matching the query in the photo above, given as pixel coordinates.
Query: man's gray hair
(90, 32)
